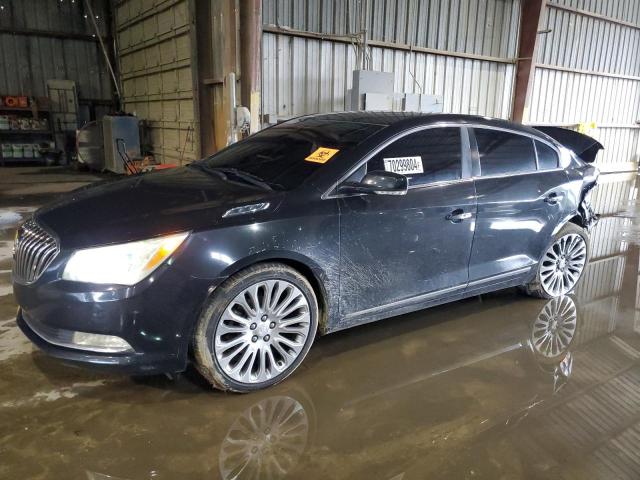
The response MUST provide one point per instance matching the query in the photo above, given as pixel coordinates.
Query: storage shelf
(4, 108)
(26, 132)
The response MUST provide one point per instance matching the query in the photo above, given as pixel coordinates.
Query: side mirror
(379, 182)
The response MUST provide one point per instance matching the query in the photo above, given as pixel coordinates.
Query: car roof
(412, 119)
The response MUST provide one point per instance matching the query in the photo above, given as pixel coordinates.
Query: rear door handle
(458, 215)
(553, 198)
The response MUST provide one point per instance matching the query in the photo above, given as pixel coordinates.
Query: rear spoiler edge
(582, 145)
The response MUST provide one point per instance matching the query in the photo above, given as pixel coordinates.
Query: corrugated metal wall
(473, 68)
(589, 71)
(54, 41)
(156, 56)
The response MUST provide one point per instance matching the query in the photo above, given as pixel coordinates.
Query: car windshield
(277, 156)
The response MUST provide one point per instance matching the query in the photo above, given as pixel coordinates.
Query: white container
(36, 150)
(18, 151)
(7, 151)
(27, 150)
(4, 122)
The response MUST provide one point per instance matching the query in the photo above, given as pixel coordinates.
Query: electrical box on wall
(374, 91)
(370, 82)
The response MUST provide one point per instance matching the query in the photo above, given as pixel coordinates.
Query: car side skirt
(420, 302)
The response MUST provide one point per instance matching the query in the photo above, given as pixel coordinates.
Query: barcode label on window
(404, 165)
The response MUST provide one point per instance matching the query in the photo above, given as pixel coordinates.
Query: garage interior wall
(157, 65)
(463, 50)
(43, 39)
(588, 70)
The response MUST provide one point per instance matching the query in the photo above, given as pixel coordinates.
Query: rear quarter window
(504, 152)
(547, 156)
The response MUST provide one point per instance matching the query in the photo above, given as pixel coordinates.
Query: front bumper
(155, 318)
(134, 363)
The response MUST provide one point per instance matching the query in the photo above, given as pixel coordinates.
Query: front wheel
(256, 328)
(562, 264)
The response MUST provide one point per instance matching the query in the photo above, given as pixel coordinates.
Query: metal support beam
(217, 39)
(529, 25)
(205, 61)
(31, 32)
(225, 38)
(597, 16)
(250, 58)
(352, 39)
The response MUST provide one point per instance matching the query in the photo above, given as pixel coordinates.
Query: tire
(246, 338)
(538, 287)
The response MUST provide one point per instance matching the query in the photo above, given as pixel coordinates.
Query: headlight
(123, 264)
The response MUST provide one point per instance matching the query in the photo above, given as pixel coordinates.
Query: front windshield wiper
(224, 172)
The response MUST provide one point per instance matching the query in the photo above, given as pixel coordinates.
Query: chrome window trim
(516, 132)
(532, 137)
(440, 183)
(389, 141)
(466, 155)
(503, 175)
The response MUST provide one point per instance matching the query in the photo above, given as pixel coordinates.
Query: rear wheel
(562, 263)
(256, 329)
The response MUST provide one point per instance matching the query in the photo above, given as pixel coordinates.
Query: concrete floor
(456, 391)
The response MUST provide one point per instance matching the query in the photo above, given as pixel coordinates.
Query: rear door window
(427, 156)
(547, 156)
(504, 152)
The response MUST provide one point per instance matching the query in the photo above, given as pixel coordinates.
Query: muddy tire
(566, 257)
(256, 328)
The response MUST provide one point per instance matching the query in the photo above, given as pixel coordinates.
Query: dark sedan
(315, 225)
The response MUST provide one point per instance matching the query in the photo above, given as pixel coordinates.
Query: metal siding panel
(157, 74)
(313, 75)
(564, 97)
(486, 28)
(31, 60)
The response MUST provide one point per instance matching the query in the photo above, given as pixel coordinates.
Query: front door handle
(553, 198)
(458, 215)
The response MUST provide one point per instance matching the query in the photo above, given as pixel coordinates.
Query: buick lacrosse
(320, 223)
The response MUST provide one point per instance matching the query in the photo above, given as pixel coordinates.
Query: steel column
(529, 26)
(250, 58)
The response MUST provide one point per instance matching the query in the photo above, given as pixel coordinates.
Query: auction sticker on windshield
(322, 155)
(404, 165)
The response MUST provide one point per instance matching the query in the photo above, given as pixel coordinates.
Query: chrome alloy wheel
(262, 331)
(562, 264)
(555, 327)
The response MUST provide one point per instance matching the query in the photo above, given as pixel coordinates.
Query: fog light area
(100, 343)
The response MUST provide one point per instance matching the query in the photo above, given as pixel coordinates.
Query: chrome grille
(34, 250)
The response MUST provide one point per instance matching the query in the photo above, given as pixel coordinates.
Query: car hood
(146, 206)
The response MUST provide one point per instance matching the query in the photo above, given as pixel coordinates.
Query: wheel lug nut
(264, 318)
(253, 326)
(272, 325)
(267, 337)
(254, 338)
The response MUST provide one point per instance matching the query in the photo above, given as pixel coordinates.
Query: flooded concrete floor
(465, 390)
